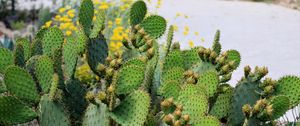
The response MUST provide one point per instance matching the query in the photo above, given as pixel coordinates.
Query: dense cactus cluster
(147, 84)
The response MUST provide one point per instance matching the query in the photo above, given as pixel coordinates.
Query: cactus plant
(146, 84)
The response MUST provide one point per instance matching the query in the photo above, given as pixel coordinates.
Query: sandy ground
(265, 34)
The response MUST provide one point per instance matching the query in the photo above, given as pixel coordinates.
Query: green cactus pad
(19, 57)
(169, 89)
(134, 61)
(6, 59)
(74, 100)
(244, 93)
(2, 87)
(52, 113)
(19, 83)
(86, 13)
(210, 80)
(174, 74)
(36, 47)
(13, 111)
(44, 71)
(30, 64)
(138, 12)
(96, 115)
(97, 52)
(207, 121)
(216, 45)
(222, 106)
(70, 56)
(194, 101)
(280, 105)
(170, 38)
(133, 110)
(191, 57)
(155, 26)
(26, 47)
(190, 90)
(173, 59)
(235, 56)
(290, 87)
(203, 67)
(98, 23)
(81, 41)
(195, 106)
(129, 79)
(52, 40)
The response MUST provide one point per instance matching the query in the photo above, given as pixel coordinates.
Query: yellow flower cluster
(119, 33)
(64, 20)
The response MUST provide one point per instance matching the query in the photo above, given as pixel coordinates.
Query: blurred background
(266, 32)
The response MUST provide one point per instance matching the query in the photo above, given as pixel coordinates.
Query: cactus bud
(168, 119)
(150, 53)
(176, 45)
(269, 89)
(213, 56)
(225, 54)
(201, 51)
(119, 61)
(177, 123)
(231, 64)
(149, 42)
(247, 71)
(171, 100)
(177, 113)
(110, 72)
(225, 69)
(113, 63)
(186, 118)
(110, 89)
(143, 59)
(226, 77)
(117, 55)
(195, 75)
(101, 96)
(221, 60)
(142, 31)
(165, 104)
(90, 96)
(179, 107)
(137, 27)
(246, 110)
(188, 73)
(191, 80)
(269, 110)
(101, 67)
(108, 59)
(263, 71)
(147, 37)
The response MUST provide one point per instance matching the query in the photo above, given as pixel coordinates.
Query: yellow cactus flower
(202, 40)
(197, 33)
(94, 18)
(186, 28)
(68, 32)
(186, 16)
(61, 10)
(185, 33)
(103, 6)
(48, 24)
(191, 44)
(118, 21)
(178, 14)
